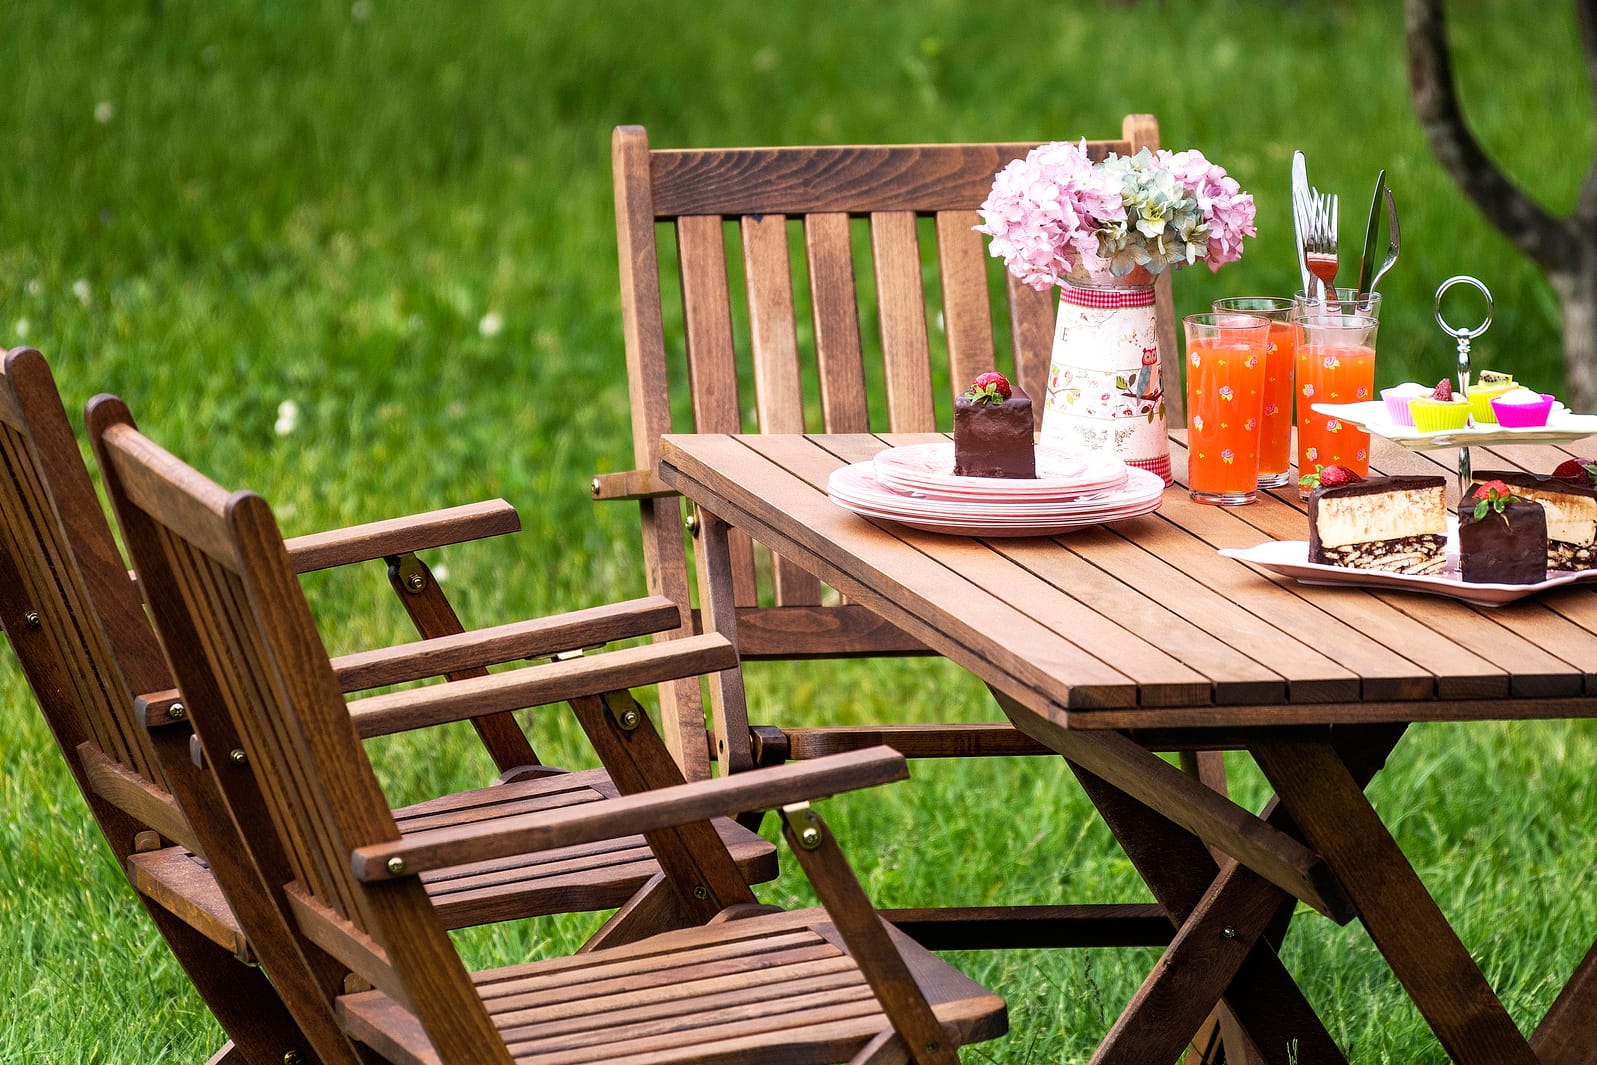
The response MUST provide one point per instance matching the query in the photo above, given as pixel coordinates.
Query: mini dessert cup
(1396, 399)
(1481, 395)
(1434, 415)
(1514, 412)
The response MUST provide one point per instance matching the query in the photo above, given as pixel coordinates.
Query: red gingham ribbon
(1107, 299)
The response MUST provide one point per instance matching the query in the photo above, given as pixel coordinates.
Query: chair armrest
(534, 638)
(608, 671)
(630, 484)
(398, 536)
(627, 815)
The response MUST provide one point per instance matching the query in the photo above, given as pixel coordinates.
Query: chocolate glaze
(994, 440)
(1498, 551)
(1367, 487)
(1540, 482)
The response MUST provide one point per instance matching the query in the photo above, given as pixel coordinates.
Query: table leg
(1218, 950)
(728, 710)
(1336, 819)
(1565, 1036)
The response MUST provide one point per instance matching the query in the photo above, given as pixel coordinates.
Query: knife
(1300, 205)
(1372, 233)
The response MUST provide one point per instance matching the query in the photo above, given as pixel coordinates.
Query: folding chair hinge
(407, 572)
(624, 708)
(808, 829)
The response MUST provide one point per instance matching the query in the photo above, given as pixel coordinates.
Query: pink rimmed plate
(1290, 558)
(928, 470)
(856, 488)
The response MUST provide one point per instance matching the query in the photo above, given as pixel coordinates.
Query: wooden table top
(1142, 624)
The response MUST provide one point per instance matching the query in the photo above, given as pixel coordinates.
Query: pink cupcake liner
(1523, 415)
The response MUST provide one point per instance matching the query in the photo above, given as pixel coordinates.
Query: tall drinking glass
(1336, 364)
(1225, 398)
(1344, 301)
(1275, 422)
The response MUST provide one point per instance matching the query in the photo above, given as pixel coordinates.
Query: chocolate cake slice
(993, 437)
(1503, 547)
(1571, 513)
(1394, 524)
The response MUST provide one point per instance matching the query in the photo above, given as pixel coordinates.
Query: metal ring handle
(1463, 334)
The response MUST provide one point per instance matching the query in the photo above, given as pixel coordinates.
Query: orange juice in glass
(1280, 360)
(1226, 369)
(1336, 364)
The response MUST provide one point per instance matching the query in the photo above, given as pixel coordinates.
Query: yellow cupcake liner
(1480, 400)
(1432, 415)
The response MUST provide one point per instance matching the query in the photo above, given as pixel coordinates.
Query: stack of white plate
(916, 486)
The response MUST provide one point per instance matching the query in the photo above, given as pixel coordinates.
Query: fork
(1319, 244)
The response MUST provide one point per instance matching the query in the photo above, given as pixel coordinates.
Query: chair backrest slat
(967, 313)
(901, 304)
(712, 366)
(829, 254)
(779, 401)
(1031, 326)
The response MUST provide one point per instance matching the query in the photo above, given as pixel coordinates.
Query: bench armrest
(627, 815)
(608, 671)
(534, 638)
(398, 536)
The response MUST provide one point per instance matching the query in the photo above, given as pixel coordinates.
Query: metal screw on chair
(1228, 932)
(932, 1046)
(700, 892)
(293, 1057)
(415, 582)
(176, 711)
(237, 756)
(810, 837)
(31, 619)
(691, 523)
(396, 867)
(630, 719)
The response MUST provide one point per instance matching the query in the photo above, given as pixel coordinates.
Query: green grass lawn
(397, 217)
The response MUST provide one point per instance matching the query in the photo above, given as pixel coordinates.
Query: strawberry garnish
(1580, 471)
(1332, 476)
(1443, 392)
(990, 387)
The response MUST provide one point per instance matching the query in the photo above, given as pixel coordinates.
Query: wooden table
(1113, 642)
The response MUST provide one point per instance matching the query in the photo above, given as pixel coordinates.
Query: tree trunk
(1564, 248)
(1577, 293)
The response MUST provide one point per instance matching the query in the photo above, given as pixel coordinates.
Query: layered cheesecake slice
(1571, 511)
(1394, 524)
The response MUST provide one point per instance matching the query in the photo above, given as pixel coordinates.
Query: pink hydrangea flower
(1056, 209)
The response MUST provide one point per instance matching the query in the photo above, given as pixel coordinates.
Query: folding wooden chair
(75, 621)
(838, 197)
(342, 889)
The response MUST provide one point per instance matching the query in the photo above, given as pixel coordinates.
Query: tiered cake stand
(1563, 425)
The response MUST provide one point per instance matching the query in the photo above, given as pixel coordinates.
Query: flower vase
(1104, 391)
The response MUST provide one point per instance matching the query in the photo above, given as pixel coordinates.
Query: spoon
(1393, 240)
